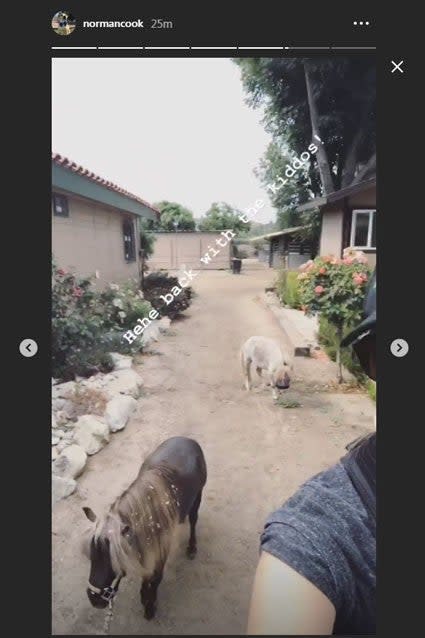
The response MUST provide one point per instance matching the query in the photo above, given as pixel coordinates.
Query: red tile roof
(60, 160)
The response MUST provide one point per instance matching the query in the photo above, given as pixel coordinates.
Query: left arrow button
(28, 347)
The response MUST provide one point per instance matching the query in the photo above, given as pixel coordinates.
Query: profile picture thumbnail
(63, 23)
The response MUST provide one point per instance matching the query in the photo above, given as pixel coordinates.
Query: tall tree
(221, 216)
(258, 228)
(322, 158)
(286, 198)
(333, 98)
(329, 102)
(174, 217)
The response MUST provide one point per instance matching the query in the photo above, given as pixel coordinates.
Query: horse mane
(149, 509)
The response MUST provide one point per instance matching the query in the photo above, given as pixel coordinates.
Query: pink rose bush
(88, 324)
(335, 288)
(359, 278)
(307, 266)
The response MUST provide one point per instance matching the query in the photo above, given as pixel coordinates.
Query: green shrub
(147, 241)
(328, 338)
(75, 327)
(113, 342)
(371, 389)
(287, 288)
(83, 362)
(88, 325)
(121, 306)
(335, 289)
(159, 284)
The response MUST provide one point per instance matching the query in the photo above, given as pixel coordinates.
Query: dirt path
(257, 455)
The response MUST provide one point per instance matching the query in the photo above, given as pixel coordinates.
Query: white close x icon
(397, 66)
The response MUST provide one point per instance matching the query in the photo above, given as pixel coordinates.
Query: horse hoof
(191, 552)
(149, 613)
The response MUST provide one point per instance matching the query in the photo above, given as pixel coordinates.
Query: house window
(60, 205)
(363, 229)
(129, 241)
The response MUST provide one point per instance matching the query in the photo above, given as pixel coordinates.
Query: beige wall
(173, 250)
(331, 234)
(90, 240)
(371, 259)
(332, 221)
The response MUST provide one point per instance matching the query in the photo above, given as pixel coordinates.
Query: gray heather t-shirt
(324, 533)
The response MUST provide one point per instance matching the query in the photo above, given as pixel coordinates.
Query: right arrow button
(399, 347)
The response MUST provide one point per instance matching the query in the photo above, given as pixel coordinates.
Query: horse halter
(107, 593)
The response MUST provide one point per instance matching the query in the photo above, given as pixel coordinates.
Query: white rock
(123, 382)
(55, 439)
(61, 418)
(95, 381)
(68, 426)
(150, 334)
(55, 453)
(54, 381)
(121, 361)
(118, 411)
(59, 433)
(54, 423)
(62, 487)
(71, 462)
(62, 445)
(69, 409)
(57, 404)
(164, 324)
(63, 390)
(91, 433)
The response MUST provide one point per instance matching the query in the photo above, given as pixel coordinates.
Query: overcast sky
(171, 129)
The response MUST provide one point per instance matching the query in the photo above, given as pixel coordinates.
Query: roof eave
(62, 170)
(77, 184)
(278, 233)
(353, 189)
(318, 202)
(336, 196)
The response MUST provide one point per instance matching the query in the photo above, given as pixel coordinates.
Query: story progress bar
(231, 48)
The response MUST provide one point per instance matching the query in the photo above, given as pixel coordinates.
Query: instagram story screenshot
(207, 377)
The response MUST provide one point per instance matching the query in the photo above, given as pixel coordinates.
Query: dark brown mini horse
(138, 528)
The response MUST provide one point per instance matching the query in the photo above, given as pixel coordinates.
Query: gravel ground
(257, 453)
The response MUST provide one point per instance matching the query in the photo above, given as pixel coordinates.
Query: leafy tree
(306, 101)
(221, 216)
(174, 217)
(147, 238)
(295, 191)
(331, 98)
(258, 228)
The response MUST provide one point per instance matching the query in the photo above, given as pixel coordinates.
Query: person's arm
(285, 603)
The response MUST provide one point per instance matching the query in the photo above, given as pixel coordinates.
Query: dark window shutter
(129, 240)
(60, 205)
